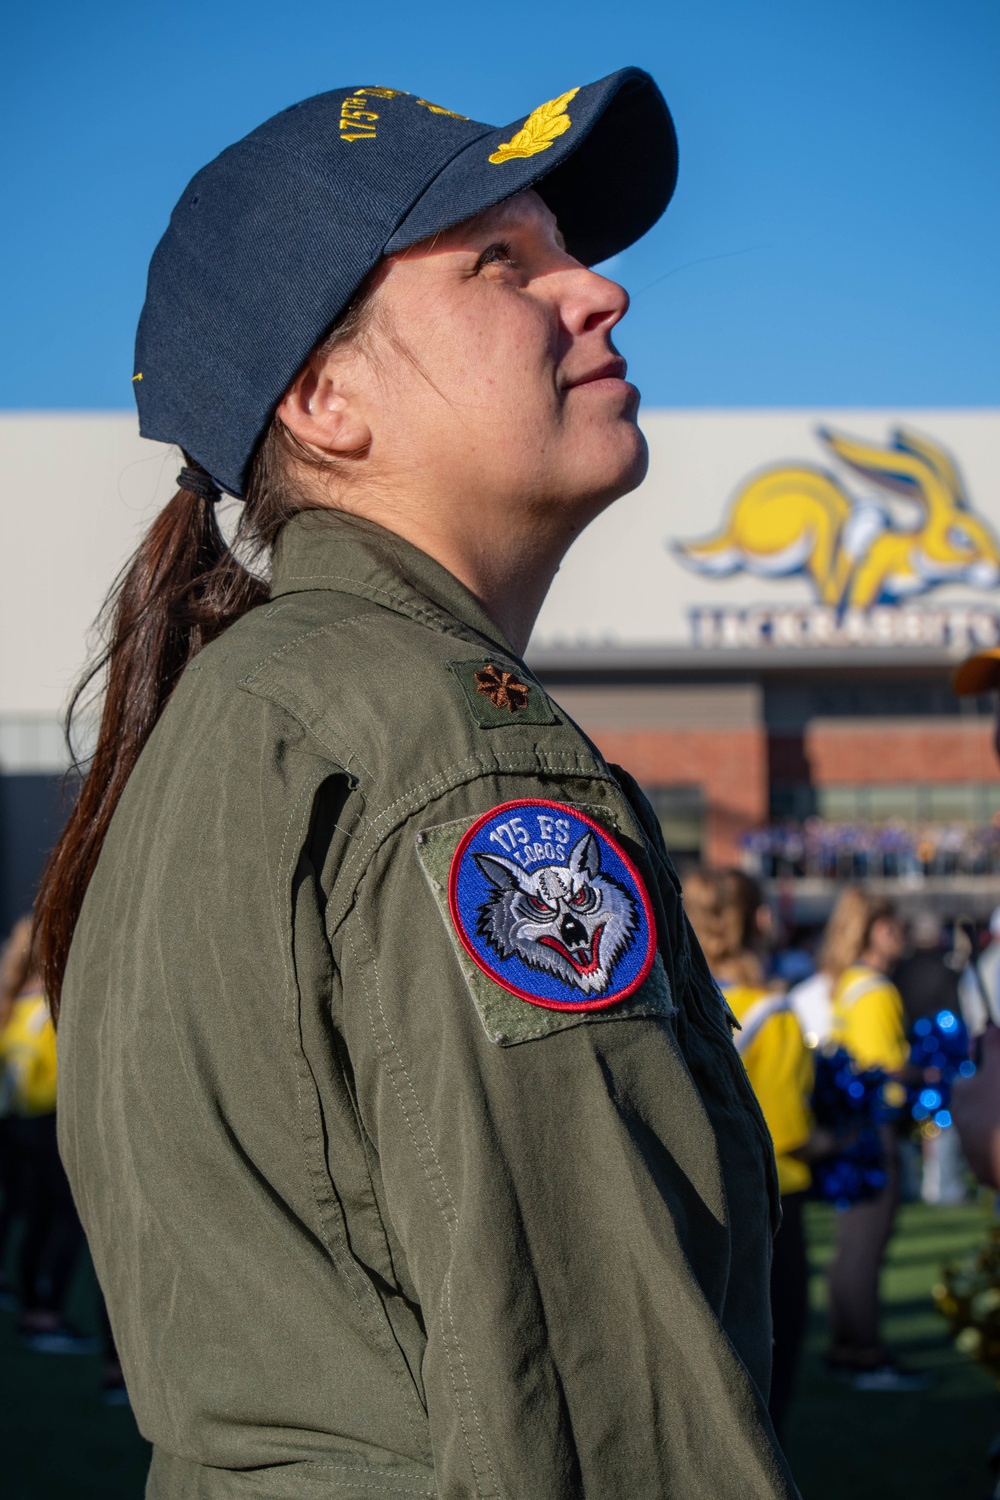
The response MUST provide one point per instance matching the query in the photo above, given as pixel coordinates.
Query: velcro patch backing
(560, 934)
(497, 697)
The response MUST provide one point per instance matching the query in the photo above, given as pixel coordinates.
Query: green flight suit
(366, 1222)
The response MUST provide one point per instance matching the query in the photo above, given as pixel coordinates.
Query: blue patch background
(472, 889)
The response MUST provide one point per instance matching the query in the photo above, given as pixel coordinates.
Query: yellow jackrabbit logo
(801, 520)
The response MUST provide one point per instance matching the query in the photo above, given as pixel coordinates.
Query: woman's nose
(593, 303)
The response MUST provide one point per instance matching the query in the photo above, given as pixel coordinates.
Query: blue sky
(835, 238)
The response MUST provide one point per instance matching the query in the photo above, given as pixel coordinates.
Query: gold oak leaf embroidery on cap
(543, 126)
(501, 688)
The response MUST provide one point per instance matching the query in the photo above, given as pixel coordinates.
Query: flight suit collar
(328, 549)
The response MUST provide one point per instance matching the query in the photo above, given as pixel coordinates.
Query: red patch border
(512, 989)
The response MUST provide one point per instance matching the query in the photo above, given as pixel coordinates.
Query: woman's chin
(626, 462)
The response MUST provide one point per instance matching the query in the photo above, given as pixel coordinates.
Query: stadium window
(893, 803)
(909, 802)
(681, 814)
(953, 803)
(838, 804)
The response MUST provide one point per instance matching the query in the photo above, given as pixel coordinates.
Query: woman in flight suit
(399, 1105)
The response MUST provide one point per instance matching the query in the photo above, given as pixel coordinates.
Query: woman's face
(491, 376)
(886, 940)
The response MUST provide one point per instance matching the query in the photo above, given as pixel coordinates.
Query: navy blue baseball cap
(272, 239)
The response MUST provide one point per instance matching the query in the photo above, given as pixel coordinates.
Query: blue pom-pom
(941, 1042)
(850, 1103)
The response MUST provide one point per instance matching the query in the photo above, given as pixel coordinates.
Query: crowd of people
(874, 988)
(829, 850)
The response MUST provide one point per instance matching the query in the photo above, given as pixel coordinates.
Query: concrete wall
(625, 583)
(77, 491)
(80, 488)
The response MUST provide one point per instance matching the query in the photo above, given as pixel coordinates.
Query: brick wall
(852, 752)
(716, 739)
(730, 765)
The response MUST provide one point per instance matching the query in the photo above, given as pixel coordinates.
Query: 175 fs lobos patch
(550, 907)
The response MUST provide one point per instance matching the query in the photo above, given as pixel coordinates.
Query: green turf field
(60, 1443)
(927, 1445)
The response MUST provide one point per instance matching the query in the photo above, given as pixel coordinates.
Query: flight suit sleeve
(549, 1171)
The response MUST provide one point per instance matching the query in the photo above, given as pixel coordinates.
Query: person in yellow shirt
(725, 907)
(864, 943)
(28, 1056)
(52, 1237)
(868, 1016)
(780, 1068)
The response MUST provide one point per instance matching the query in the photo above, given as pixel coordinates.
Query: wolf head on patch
(572, 920)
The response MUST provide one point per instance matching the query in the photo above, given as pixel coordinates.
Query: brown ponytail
(183, 587)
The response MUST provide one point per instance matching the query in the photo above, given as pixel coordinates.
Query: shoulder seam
(385, 822)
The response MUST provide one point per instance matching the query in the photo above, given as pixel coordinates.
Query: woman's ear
(322, 409)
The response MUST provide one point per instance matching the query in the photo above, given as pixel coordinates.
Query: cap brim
(607, 177)
(978, 674)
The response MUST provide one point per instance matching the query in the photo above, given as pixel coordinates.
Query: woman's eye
(497, 254)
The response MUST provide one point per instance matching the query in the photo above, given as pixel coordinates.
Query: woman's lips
(612, 369)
